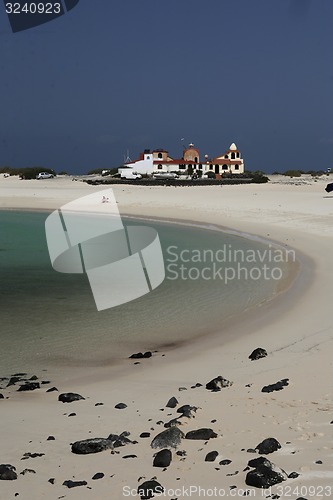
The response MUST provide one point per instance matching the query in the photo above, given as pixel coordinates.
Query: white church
(159, 161)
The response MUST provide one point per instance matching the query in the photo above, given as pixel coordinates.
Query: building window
(160, 167)
(238, 155)
(200, 166)
(182, 167)
(225, 167)
(196, 159)
(160, 155)
(236, 167)
(226, 157)
(233, 156)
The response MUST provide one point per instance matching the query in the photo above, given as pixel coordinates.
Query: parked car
(44, 175)
(129, 174)
(165, 175)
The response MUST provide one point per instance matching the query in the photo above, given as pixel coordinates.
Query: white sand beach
(296, 329)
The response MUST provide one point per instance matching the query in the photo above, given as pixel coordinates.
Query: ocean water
(50, 318)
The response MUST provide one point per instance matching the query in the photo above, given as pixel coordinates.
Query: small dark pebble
(32, 455)
(130, 456)
(225, 462)
(99, 404)
(1, 396)
(45, 382)
(26, 471)
(69, 397)
(72, 415)
(318, 462)
(140, 355)
(211, 456)
(52, 389)
(145, 435)
(172, 403)
(74, 484)
(51, 438)
(121, 406)
(51, 480)
(258, 353)
(181, 453)
(98, 475)
(250, 450)
(293, 475)
(182, 389)
(162, 458)
(203, 433)
(34, 377)
(278, 386)
(147, 489)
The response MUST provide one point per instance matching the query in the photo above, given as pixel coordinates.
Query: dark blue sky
(111, 76)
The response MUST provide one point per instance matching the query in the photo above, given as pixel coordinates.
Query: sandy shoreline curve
(296, 331)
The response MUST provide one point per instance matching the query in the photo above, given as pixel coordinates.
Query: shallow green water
(49, 318)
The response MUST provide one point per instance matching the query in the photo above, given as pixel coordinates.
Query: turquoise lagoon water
(51, 318)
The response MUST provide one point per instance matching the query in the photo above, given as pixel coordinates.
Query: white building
(158, 161)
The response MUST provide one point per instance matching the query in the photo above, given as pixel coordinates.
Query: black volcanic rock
(257, 354)
(147, 489)
(32, 455)
(144, 435)
(98, 475)
(211, 456)
(121, 439)
(74, 484)
(203, 434)
(186, 410)
(140, 355)
(52, 389)
(293, 475)
(162, 458)
(7, 472)
(265, 474)
(267, 446)
(121, 406)
(1, 396)
(170, 438)
(217, 383)
(278, 386)
(94, 445)
(14, 379)
(172, 423)
(172, 403)
(69, 397)
(225, 462)
(256, 462)
(29, 386)
(264, 477)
